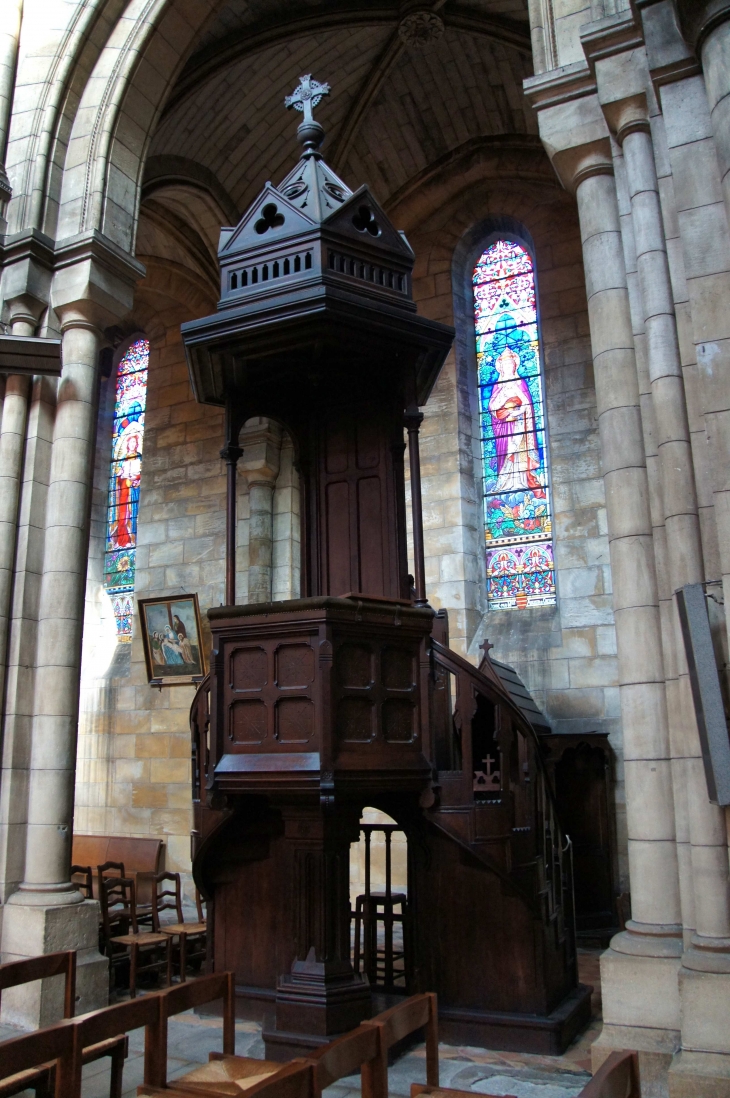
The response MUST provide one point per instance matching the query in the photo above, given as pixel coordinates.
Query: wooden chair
(171, 899)
(360, 1050)
(112, 1023)
(418, 1012)
(44, 1050)
(119, 912)
(618, 1077)
(184, 997)
(42, 1078)
(83, 878)
(292, 1080)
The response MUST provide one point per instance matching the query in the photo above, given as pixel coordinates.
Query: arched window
(124, 477)
(517, 510)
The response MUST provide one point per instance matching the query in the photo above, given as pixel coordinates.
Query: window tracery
(517, 504)
(124, 480)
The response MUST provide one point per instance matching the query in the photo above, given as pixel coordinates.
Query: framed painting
(172, 640)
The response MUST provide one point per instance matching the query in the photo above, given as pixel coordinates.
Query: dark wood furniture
(142, 858)
(122, 939)
(187, 996)
(41, 1078)
(388, 968)
(580, 767)
(195, 934)
(618, 1077)
(293, 1080)
(348, 696)
(418, 1012)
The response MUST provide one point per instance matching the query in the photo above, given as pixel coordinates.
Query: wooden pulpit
(318, 706)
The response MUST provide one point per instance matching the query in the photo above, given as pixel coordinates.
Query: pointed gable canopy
(313, 256)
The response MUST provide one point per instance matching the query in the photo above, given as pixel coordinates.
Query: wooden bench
(142, 858)
(41, 1077)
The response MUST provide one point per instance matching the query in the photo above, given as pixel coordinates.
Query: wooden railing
(200, 739)
(536, 854)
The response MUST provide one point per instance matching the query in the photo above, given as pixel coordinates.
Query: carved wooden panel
(294, 666)
(359, 519)
(294, 720)
(248, 721)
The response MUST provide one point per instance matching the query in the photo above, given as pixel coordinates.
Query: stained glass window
(517, 512)
(124, 477)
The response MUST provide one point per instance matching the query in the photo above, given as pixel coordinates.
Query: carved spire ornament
(304, 98)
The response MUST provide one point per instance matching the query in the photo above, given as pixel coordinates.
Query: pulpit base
(507, 1031)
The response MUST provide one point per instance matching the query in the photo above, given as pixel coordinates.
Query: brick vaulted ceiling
(394, 110)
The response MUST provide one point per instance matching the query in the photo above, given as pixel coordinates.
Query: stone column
(261, 442)
(47, 905)
(640, 968)
(92, 287)
(713, 34)
(9, 35)
(12, 446)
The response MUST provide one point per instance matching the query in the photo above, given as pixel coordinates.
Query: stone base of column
(699, 1075)
(29, 930)
(704, 987)
(640, 992)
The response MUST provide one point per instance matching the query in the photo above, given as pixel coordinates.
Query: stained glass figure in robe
(517, 514)
(124, 481)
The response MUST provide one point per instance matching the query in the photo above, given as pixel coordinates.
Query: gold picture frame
(172, 639)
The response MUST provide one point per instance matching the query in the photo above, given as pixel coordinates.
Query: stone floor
(523, 1075)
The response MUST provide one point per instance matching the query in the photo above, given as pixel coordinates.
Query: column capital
(669, 53)
(27, 271)
(573, 129)
(93, 281)
(261, 444)
(699, 18)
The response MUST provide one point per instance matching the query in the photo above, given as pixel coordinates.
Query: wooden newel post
(230, 453)
(413, 420)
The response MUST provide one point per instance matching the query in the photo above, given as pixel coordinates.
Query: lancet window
(517, 504)
(124, 479)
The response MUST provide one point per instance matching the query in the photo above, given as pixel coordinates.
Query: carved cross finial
(486, 647)
(306, 95)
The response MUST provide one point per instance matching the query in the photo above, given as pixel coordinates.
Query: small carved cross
(306, 95)
(486, 647)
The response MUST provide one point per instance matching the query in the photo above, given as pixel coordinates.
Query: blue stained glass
(517, 511)
(124, 481)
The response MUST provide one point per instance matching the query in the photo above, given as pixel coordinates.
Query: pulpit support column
(413, 420)
(230, 453)
(321, 995)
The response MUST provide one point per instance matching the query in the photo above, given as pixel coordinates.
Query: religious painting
(124, 482)
(517, 511)
(172, 639)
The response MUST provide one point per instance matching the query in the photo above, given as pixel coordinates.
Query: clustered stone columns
(9, 34)
(46, 905)
(92, 287)
(641, 101)
(651, 945)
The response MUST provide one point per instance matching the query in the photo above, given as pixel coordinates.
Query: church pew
(143, 858)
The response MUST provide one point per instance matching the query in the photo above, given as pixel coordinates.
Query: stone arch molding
(117, 114)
